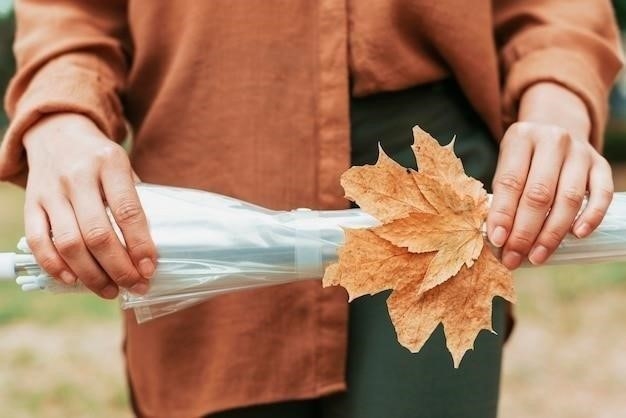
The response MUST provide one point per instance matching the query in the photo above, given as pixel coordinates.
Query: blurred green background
(61, 355)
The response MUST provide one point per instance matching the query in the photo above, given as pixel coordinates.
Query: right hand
(73, 170)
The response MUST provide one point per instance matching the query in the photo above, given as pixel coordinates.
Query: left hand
(545, 168)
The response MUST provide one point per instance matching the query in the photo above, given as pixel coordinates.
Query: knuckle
(606, 193)
(141, 246)
(503, 214)
(51, 263)
(538, 196)
(100, 291)
(573, 198)
(594, 215)
(67, 243)
(112, 153)
(560, 136)
(583, 148)
(521, 241)
(603, 163)
(551, 238)
(95, 283)
(520, 128)
(98, 237)
(509, 182)
(74, 173)
(513, 133)
(128, 211)
(35, 241)
(95, 280)
(126, 279)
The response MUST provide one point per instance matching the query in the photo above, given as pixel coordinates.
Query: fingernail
(538, 255)
(499, 236)
(511, 260)
(109, 292)
(582, 230)
(146, 268)
(67, 277)
(140, 288)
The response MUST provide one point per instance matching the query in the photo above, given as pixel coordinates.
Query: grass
(11, 217)
(48, 309)
(571, 284)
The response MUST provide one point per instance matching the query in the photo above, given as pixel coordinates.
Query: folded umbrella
(210, 244)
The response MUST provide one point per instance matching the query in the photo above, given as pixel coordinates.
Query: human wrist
(552, 104)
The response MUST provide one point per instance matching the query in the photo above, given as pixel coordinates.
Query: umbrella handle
(7, 266)
(13, 265)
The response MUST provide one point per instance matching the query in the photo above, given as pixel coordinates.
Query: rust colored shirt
(250, 99)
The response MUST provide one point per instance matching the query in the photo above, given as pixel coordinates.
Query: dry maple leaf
(429, 249)
(441, 163)
(462, 304)
(456, 238)
(369, 264)
(453, 228)
(385, 190)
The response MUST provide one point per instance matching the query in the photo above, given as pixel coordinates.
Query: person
(270, 102)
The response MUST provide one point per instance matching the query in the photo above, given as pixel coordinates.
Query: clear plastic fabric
(210, 244)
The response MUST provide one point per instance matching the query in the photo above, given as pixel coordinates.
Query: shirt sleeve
(572, 43)
(72, 56)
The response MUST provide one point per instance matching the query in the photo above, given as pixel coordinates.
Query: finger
(567, 202)
(37, 230)
(508, 184)
(121, 195)
(70, 246)
(535, 202)
(600, 196)
(100, 238)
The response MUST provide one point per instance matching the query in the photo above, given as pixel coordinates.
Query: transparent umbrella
(210, 244)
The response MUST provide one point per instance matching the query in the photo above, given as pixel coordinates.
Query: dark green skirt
(384, 378)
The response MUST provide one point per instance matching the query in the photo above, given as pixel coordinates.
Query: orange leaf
(385, 190)
(441, 163)
(462, 304)
(429, 248)
(454, 231)
(368, 264)
(456, 238)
